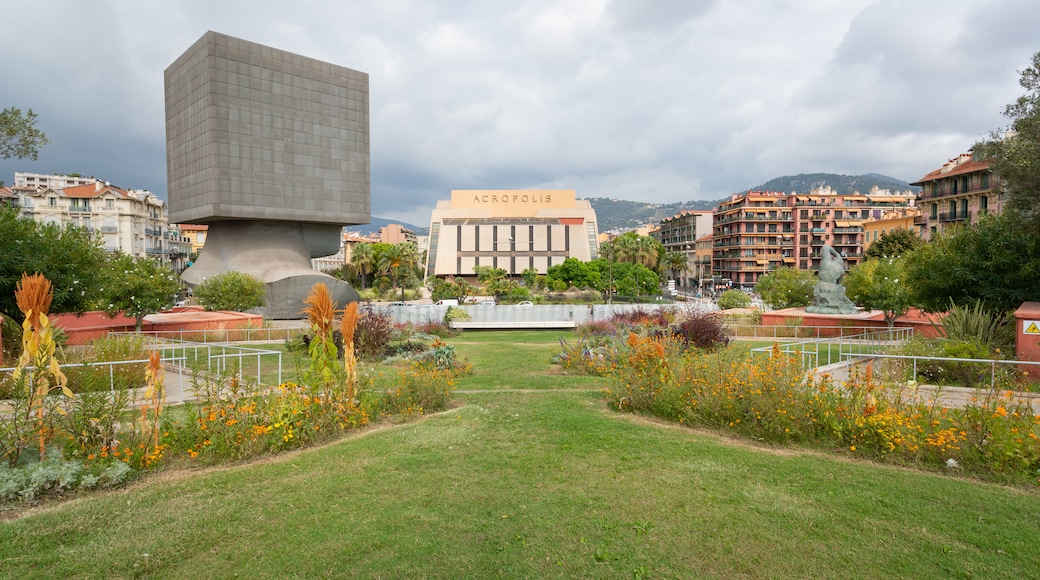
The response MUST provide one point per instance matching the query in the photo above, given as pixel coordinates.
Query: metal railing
(247, 334)
(185, 359)
(821, 351)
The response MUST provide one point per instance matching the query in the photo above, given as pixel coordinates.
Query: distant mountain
(618, 214)
(842, 184)
(378, 222)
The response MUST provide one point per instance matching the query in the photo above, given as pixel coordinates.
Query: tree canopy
(235, 291)
(137, 287)
(66, 255)
(786, 288)
(993, 260)
(893, 244)
(19, 136)
(1016, 149)
(880, 284)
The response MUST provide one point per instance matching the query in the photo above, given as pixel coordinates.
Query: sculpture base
(279, 254)
(830, 298)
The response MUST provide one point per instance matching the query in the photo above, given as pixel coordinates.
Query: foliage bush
(58, 475)
(702, 330)
(235, 291)
(733, 299)
(409, 347)
(455, 313)
(375, 329)
(995, 331)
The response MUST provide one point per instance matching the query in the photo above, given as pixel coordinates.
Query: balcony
(954, 216)
(109, 230)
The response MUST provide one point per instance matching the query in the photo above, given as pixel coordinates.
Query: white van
(447, 303)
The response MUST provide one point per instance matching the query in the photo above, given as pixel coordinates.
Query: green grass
(541, 483)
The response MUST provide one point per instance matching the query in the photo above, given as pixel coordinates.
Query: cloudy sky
(650, 100)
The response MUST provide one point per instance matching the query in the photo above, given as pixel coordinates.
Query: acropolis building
(509, 229)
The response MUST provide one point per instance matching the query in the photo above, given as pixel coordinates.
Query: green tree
(628, 279)
(137, 287)
(488, 274)
(362, 256)
(235, 291)
(880, 284)
(574, 273)
(66, 255)
(19, 137)
(530, 277)
(996, 260)
(786, 288)
(676, 262)
(1016, 150)
(734, 299)
(451, 287)
(893, 244)
(391, 258)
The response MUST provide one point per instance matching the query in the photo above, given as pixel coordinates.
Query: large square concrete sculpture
(271, 150)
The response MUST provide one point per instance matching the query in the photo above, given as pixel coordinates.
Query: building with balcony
(509, 229)
(957, 193)
(130, 221)
(680, 232)
(757, 232)
(196, 234)
(753, 234)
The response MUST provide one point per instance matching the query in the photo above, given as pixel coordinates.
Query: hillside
(620, 214)
(842, 184)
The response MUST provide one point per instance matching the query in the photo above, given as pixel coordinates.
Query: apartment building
(130, 221)
(957, 193)
(679, 233)
(396, 234)
(753, 234)
(757, 232)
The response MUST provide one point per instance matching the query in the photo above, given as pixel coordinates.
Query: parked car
(525, 303)
(447, 302)
(398, 304)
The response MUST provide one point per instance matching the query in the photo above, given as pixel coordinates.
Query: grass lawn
(540, 480)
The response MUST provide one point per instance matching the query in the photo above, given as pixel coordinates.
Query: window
(985, 181)
(52, 201)
(110, 203)
(984, 204)
(935, 211)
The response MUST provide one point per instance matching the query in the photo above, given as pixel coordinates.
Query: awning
(788, 260)
(842, 224)
(854, 197)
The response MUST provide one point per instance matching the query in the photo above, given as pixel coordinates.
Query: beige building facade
(510, 229)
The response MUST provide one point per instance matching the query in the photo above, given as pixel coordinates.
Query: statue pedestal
(279, 254)
(830, 298)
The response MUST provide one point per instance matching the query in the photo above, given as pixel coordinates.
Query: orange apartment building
(759, 231)
(958, 192)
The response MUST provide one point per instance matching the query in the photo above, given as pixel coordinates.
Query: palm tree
(395, 256)
(363, 257)
(676, 262)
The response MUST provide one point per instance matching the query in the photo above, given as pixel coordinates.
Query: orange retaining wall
(919, 321)
(92, 325)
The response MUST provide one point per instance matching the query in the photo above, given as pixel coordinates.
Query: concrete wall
(579, 313)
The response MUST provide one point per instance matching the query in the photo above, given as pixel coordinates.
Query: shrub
(108, 349)
(236, 291)
(455, 313)
(992, 330)
(57, 475)
(702, 330)
(374, 331)
(406, 348)
(734, 299)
